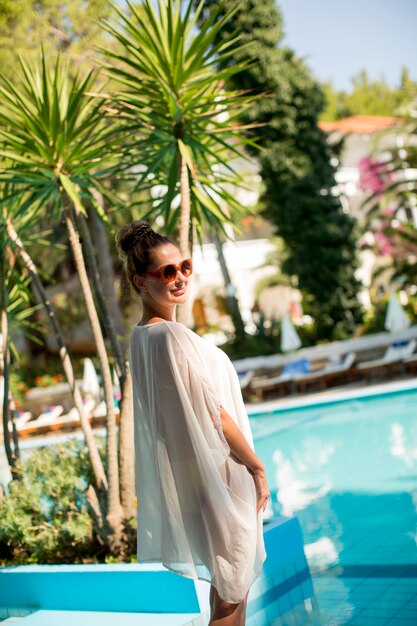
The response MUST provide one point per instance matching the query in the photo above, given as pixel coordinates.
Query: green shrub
(266, 340)
(45, 516)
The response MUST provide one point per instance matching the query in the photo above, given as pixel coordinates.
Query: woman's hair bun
(131, 234)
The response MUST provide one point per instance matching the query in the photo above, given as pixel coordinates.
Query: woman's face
(155, 289)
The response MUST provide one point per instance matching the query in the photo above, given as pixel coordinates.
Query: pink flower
(383, 244)
(374, 176)
(389, 211)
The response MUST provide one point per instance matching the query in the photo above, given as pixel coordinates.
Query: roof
(361, 124)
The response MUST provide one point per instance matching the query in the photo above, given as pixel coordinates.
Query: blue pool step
(148, 594)
(88, 618)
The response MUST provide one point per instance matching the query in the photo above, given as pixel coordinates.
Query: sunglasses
(169, 272)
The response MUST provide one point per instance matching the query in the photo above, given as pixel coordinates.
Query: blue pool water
(348, 471)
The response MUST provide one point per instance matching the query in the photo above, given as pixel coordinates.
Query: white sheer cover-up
(196, 501)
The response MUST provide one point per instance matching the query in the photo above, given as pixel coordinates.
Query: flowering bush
(390, 237)
(47, 380)
(20, 383)
(374, 176)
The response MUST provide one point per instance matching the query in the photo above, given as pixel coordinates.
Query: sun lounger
(54, 420)
(334, 370)
(341, 371)
(281, 383)
(392, 360)
(274, 384)
(245, 377)
(48, 416)
(22, 418)
(43, 423)
(411, 364)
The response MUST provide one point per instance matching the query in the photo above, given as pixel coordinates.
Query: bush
(45, 516)
(41, 370)
(374, 320)
(266, 340)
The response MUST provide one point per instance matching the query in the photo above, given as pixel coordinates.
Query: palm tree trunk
(185, 209)
(115, 511)
(127, 449)
(97, 465)
(12, 405)
(106, 271)
(232, 301)
(101, 300)
(11, 260)
(11, 458)
(184, 226)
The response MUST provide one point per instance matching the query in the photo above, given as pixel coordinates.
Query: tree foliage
(55, 137)
(174, 110)
(297, 170)
(67, 27)
(368, 97)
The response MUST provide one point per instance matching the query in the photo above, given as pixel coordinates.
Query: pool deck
(337, 394)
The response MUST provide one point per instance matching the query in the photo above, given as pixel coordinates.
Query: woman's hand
(259, 476)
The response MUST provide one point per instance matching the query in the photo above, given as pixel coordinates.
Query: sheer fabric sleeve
(188, 407)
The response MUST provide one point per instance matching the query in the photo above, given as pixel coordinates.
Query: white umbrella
(116, 387)
(116, 383)
(90, 382)
(396, 318)
(289, 339)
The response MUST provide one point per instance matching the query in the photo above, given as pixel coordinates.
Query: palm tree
(179, 122)
(59, 144)
(15, 312)
(17, 231)
(126, 449)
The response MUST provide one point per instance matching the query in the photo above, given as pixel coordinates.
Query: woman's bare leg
(243, 612)
(224, 613)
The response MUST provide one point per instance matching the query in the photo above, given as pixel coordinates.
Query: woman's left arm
(242, 450)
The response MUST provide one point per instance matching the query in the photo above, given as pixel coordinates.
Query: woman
(200, 486)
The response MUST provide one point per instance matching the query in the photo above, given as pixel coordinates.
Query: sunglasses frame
(159, 272)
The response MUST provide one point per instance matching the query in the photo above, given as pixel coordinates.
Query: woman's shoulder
(167, 326)
(163, 329)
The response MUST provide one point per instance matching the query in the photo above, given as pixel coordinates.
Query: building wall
(245, 260)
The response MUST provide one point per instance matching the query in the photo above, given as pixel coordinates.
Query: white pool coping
(329, 397)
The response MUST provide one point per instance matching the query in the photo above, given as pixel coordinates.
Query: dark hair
(135, 241)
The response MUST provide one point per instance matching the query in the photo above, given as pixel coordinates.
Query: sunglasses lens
(170, 272)
(186, 268)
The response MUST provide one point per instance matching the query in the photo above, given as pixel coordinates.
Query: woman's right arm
(242, 450)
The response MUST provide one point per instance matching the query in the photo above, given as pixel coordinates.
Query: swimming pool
(348, 471)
